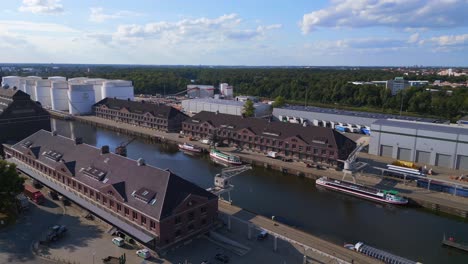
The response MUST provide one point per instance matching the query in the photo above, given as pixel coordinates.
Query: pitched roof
(157, 110)
(8, 96)
(263, 127)
(119, 173)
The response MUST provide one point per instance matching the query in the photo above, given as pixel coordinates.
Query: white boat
(225, 158)
(190, 147)
(362, 191)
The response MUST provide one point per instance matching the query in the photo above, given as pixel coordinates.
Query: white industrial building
(427, 144)
(231, 107)
(200, 91)
(226, 90)
(75, 95)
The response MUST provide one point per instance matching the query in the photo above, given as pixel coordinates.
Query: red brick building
(155, 116)
(144, 202)
(312, 144)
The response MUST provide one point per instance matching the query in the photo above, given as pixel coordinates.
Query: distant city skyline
(251, 33)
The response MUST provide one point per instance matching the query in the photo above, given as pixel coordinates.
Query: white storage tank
(226, 90)
(77, 79)
(57, 78)
(193, 91)
(43, 92)
(59, 95)
(11, 81)
(30, 87)
(22, 84)
(97, 85)
(81, 98)
(119, 89)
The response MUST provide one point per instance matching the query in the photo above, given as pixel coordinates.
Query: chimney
(105, 149)
(141, 162)
(78, 140)
(54, 133)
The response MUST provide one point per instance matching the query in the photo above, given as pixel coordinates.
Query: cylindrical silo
(81, 98)
(59, 95)
(43, 92)
(30, 87)
(119, 89)
(97, 85)
(11, 81)
(57, 78)
(22, 84)
(77, 80)
(206, 91)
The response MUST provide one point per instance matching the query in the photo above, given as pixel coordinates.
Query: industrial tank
(59, 95)
(57, 78)
(11, 81)
(226, 90)
(97, 86)
(206, 91)
(30, 87)
(77, 79)
(81, 98)
(119, 89)
(22, 84)
(42, 91)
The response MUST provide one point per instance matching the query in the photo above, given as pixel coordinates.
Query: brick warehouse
(313, 144)
(152, 205)
(20, 116)
(155, 116)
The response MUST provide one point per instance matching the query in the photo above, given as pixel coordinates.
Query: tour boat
(217, 155)
(362, 191)
(190, 147)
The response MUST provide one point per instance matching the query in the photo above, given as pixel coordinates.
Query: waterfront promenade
(437, 201)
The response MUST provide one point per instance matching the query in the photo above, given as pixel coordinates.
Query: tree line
(323, 87)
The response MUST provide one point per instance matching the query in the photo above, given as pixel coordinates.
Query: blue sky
(299, 32)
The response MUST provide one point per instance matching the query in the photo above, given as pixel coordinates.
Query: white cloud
(41, 6)
(97, 14)
(448, 40)
(388, 13)
(196, 30)
(413, 38)
(26, 26)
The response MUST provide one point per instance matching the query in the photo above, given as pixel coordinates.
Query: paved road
(294, 234)
(16, 240)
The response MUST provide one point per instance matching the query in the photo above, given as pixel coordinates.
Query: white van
(118, 241)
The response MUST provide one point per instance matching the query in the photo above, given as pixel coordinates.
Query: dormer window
(145, 195)
(26, 144)
(94, 173)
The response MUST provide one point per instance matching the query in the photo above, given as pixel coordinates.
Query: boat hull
(189, 149)
(364, 196)
(223, 160)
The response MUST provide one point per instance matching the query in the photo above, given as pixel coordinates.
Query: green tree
(11, 184)
(279, 101)
(249, 109)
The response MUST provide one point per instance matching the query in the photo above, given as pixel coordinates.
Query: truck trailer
(33, 194)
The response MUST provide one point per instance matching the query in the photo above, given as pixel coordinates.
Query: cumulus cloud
(413, 38)
(447, 40)
(388, 13)
(197, 29)
(41, 6)
(98, 15)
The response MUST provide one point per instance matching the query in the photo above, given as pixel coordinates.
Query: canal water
(410, 232)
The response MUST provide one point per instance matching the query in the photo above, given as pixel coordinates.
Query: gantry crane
(122, 148)
(221, 180)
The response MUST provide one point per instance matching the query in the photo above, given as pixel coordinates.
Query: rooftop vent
(105, 149)
(141, 162)
(53, 155)
(78, 140)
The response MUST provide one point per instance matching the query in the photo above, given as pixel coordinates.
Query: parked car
(54, 195)
(56, 232)
(262, 235)
(272, 154)
(222, 258)
(37, 184)
(143, 253)
(118, 241)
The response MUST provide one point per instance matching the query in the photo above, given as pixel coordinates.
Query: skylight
(94, 173)
(53, 155)
(144, 194)
(26, 144)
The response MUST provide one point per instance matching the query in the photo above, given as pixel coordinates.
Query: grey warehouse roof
(451, 129)
(112, 174)
(358, 114)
